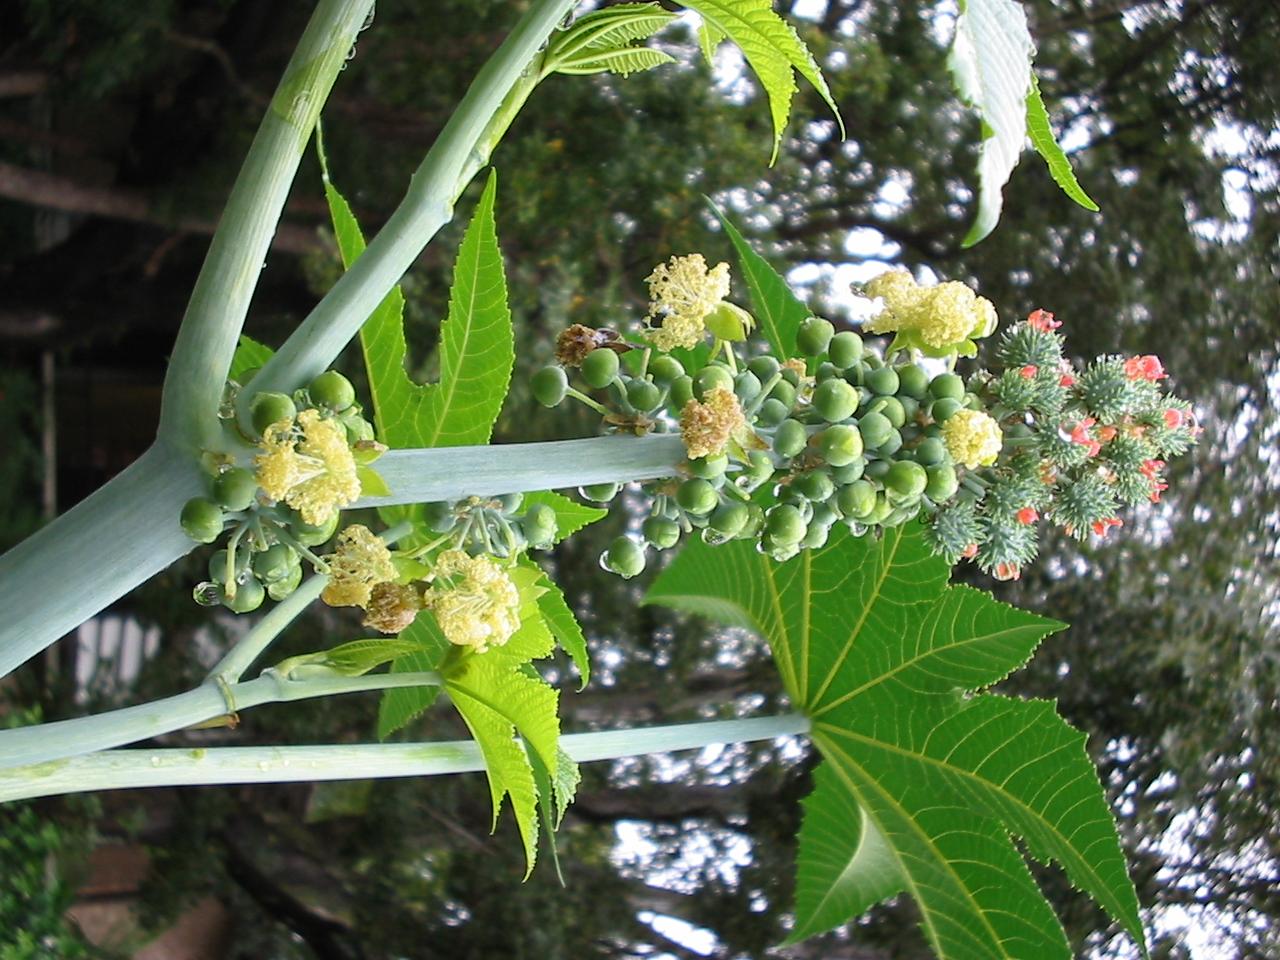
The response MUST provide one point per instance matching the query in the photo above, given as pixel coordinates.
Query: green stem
(582, 398)
(220, 300)
(119, 769)
(462, 149)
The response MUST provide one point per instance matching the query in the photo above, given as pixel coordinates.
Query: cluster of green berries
(495, 526)
(285, 500)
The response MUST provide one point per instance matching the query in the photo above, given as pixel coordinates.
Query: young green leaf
(623, 61)
(772, 48)
(991, 65)
(249, 356)
(611, 29)
(884, 658)
(353, 659)
(1046, 145)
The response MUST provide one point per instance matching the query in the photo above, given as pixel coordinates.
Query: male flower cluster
(474, 601)
(360, 561)
(308, 464)
(939, 321)
(972, 438)
(708, 428)
(682, 294)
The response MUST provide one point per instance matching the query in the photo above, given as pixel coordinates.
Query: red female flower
(1102, 526)
(1028, 516)
(1146, 367)
(1043, 321)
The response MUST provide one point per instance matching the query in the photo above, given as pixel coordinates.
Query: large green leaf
(400, 706)
(772, 48)
(991, 65)
(925, 780)
(1046, 145)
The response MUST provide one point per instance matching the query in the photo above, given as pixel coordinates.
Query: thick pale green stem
(118, 769)
(49, 742)
(442, 473)
(220, 301)
(94, 553)
(459, 152)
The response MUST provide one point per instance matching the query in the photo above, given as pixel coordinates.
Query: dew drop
(207, 594)
(155, 761)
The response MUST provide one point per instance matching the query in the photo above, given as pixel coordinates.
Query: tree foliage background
(121, 127)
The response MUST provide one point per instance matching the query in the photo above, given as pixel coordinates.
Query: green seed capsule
(665, 369)
(697, 496)
(539, 525)
(791, 375)
(835, 400)
(282, 588)
(941, 410)
(826, 371)
(845, 349)
(439, 516)
(235, 489)
(510, 502)
(600, 492)
(906, 479)
(878, 469)
(549, 386)
(624, 557)
(857, 500)
(331, 389)
(714, 376)
(913, 381)
(218, 564)
(201, 519)
(270, 408)
(878, 512)
(274, 563)
(249, 597)
(764, 367)
(681, 392)
(910, 407)
(891, 408)
(840, 445)
(660, 532)
(643, 395)
(747, 386)
(784, 392)
(849, 472)
(814, 335)
(785, 524)
(728, 519)
(816, 536)
(771, 413)
(875, 429)
(708, 468)
(943, 484)
(930, 451)
(947, 386)
(815, 486)
(891, 445)
(790, 438)
(599, 367)
(883, 382)
(312, 535)
(759, 468)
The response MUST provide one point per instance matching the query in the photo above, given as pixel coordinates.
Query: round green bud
(539, 525)
(759, 468)
(857, 500)
(510, 502)
(913, 381)
(910, 407)
(835, 400)
(600, 492)
(697, 496)
(249, 597)
(661, 532)
(218, 564)
(549, 385)
(943, 484)
(764, 367)
(312, 535)
(849, 472)
(814, 335)
(784, 392)
(712, 377)
(879, 511)
(941, 410)
(877, 469)
(665, 369)
(901, 514)
(771, 413)
(791, 375)
(643, 395)
(815, 486)
(891, 445)
(947, 386)
(906, 479)
(893, 411)
(747, 386)
(624, 557)
(790, 438)
(681, 392)
(439, 516)
(331, 389)
(282, 588)
(708, 468)
(826, 371)
(236, 488)
(785, 523)
(816, 536)
(599, 367)
(201, 519)
(930, 451)
(840, 445)
(269, 408)
(275, 562)
(845, 349)
(883, 382)
(728, 519)
(875, 429)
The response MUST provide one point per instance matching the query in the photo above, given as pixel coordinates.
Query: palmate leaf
(771, 47)
(924, 781)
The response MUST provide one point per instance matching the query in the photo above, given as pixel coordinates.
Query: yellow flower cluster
(474, 601)
(682, 292)
(360, 561)
(309, 467)
(972, 438)
(707, 428)
(938, 319)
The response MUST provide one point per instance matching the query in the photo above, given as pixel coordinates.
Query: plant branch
(220, 299)
(462, 148)
(121, 769)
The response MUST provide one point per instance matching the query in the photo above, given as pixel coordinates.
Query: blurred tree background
(121, 128)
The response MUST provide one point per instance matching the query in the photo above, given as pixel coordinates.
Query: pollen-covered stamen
(308, 465)
(707, 428)
(972, 438)
(474, 601)
(360, 561)
(682, 292)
